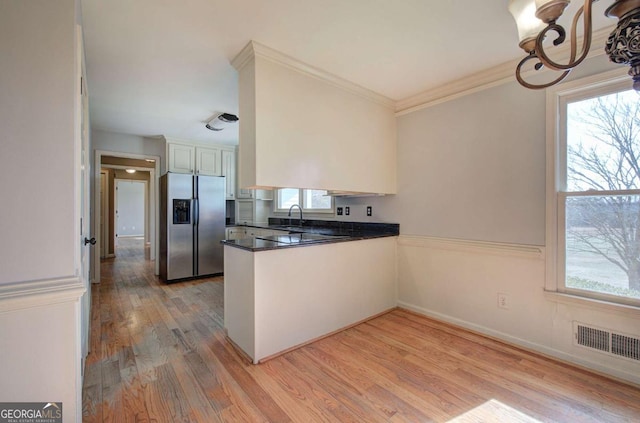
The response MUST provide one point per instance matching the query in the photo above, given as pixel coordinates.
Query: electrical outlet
(503, 301)
(347, 211)
(339, 211)
(369, 211)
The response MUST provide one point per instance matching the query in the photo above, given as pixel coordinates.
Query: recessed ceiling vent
(221, 121)
(606, 341)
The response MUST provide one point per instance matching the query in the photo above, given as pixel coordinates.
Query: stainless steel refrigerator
(192, 224)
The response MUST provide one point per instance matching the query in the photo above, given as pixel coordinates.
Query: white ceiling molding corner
(256, 49)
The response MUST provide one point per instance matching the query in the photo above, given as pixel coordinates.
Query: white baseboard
(523, 343)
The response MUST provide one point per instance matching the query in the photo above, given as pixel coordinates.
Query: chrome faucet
(291, 208)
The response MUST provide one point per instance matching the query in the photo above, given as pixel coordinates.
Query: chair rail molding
(24, 295)
(478, 247)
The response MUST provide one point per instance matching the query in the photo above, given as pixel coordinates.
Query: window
(597, 193)
(311, 200)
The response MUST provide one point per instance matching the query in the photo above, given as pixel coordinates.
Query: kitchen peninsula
(285, 290)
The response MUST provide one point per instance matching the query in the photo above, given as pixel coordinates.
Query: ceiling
(162, 67)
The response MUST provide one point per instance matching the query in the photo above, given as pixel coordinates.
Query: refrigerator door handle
(196, 212)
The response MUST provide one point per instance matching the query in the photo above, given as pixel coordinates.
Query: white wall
(474, 169)
(37, 121)
(39, 283)
(132, 144)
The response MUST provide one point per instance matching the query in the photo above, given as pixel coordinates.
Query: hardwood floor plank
(194, 392)
(374, 370)
(158, 353)
(490, 374)
(349, 395)
(534, 384)
(208, 382)
(258, 396)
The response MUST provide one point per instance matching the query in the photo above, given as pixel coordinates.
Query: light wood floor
(158, 354)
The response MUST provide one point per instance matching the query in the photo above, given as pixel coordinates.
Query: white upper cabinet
(181, 158)
(229, 172)
(204, 160)
(302, 127)
(208, 161)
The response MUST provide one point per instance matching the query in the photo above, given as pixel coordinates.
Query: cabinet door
(264, 194)
(245, 193)
(244, 210)
(208, 161)
(236, 233)
(181, 158)
(229, 172)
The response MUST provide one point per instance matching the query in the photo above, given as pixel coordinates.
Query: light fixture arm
(586, 44)
(532, 56)
(540, 53)
(623, 45)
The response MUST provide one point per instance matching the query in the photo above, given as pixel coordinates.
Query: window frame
(558, 98)
(278, 209)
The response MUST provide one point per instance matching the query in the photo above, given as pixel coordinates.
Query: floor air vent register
(606, 341)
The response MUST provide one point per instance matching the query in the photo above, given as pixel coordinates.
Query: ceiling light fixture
(221, 121)
(130, 170)
(536, 18)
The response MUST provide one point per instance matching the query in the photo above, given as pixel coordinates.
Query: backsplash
(340, 226)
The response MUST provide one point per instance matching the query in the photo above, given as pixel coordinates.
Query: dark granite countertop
(312, 232)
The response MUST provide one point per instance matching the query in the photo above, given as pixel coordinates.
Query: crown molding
(488, 78)
(244, 56)
(254, 49)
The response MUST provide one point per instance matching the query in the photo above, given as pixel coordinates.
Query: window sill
(563, 298)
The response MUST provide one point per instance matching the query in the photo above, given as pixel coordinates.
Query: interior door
(85, 238)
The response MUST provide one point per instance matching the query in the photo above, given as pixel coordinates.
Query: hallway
(143, 341)
(159, 354)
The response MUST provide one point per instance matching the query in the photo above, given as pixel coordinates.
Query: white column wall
(37, 168)
(39, 252)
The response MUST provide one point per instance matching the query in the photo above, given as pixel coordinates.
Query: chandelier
(537, 18)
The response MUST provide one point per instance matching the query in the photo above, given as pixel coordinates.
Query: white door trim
(104, 213)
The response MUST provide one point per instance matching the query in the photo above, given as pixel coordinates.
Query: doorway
(131, 214)
(127, 172)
